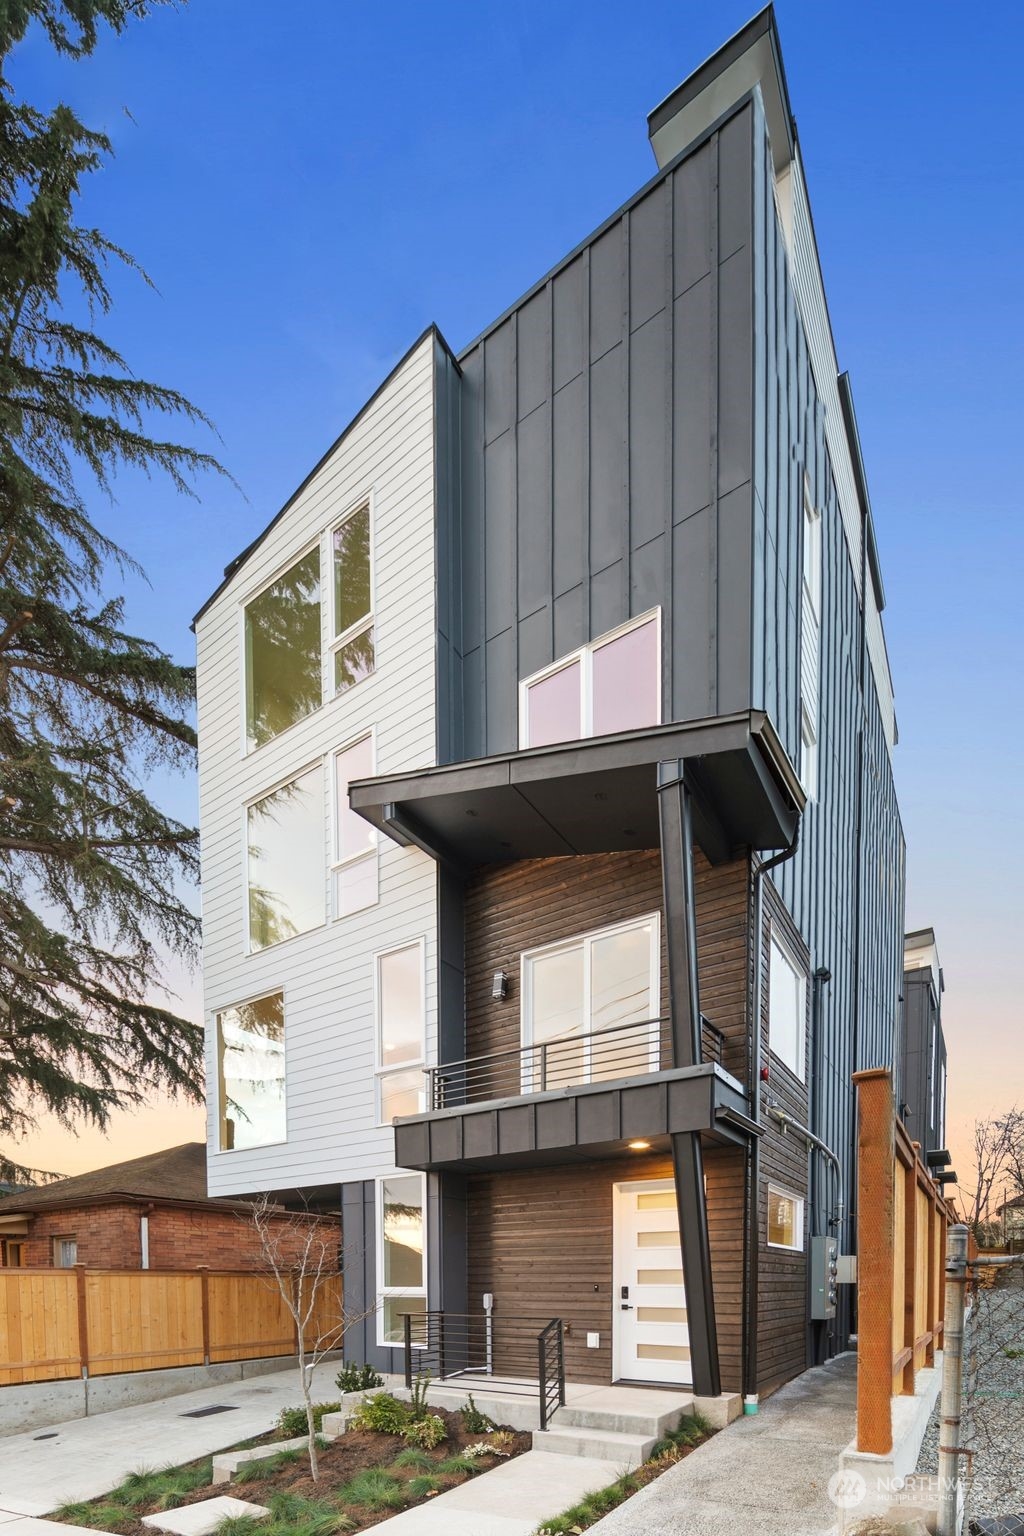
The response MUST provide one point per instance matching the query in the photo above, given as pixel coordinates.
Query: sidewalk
(766, 1474)
(87, 1457)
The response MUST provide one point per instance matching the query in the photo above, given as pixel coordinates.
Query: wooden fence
(59, 1323)
(901, 1248)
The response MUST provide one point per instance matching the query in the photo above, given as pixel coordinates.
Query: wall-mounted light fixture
(499, 986)
(639, 1146)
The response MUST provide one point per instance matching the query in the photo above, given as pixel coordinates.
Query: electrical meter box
(824, 1276)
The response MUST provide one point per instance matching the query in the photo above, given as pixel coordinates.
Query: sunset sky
(309, 186)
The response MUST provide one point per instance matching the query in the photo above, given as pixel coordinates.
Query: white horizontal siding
(327, 974)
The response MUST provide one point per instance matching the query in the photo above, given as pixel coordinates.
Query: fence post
(876, 1154)
(407, 1339)
(952, 1381)
(204, 1287)
(911, 1237)
(83, 1321)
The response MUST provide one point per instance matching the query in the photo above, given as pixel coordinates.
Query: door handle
(626, 1306)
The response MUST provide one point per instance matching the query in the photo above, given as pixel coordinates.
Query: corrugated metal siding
(327, 974)
(606, 440)
(845, 887)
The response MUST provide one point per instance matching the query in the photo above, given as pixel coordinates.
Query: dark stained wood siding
(540, 1240)
(782, 1276)
(515, 907)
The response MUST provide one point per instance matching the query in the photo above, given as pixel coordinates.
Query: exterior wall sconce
(499, 986)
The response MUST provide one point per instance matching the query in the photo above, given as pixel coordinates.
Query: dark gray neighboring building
(923, 1066)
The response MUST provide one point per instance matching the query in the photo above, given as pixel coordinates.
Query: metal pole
(952, 1382)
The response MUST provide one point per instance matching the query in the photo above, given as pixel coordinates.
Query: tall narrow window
(787, 1007)
(401, 1256)
(355, 841)
(285, 857)
(251, 1081)
(613, 684)
(282, 651)
(400, 1032)
(352, 646)
(810, 644)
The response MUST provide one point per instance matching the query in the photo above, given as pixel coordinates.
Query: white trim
(621, 1189)
(776, 937)
(585, 656)
(808, 752)
(382, 1292)
(247, 805)
(798, 1217)
(372, 850)
(335, 641)
(218, 1112)
(379, 1071)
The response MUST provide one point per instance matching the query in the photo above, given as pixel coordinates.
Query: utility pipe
(952, 1382)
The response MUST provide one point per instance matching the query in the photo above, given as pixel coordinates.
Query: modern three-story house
(553, 875)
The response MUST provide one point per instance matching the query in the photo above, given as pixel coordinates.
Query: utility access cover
(204, 1413)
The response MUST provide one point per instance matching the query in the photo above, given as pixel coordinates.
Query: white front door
(652, 1341)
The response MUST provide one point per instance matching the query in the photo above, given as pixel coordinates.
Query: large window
(355, 840)
(282, 651)
(352, 644)
(250, 1060)
(785, 1219)
(787, 1006)
(590, 1007)
(810, 644)
(614, 684)
(400, 1032)
(401, 1255)
(285, 860)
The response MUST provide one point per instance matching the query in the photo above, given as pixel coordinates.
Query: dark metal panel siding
(606, 447)
(448, 553)
(845, 888)
(921, 1091)
(358, 1218)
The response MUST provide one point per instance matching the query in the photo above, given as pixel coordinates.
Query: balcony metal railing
(515, 1356)
(627, 1050)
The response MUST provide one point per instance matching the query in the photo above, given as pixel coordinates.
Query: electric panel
(824, 1277)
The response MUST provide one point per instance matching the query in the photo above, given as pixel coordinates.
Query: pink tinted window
(627, 681)
(553, 708)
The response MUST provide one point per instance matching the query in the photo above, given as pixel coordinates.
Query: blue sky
(310, 185)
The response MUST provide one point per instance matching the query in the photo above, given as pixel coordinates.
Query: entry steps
(617, 1424)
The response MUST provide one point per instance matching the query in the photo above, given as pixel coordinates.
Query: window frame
(811, 591)
(384, 1292)
(812, 550)
(316, 542)
(776, 937)
(252, 997)
(336, 864)
(57, 1242)
(264, 794)
(799, 1244)
(336, 641)
(584, 655)
(380, 1072)
(585, 940)
(808, 753)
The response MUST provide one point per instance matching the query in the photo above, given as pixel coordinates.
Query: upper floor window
(401, 1027)
(250, 1073)
(285, 860)
(810, 643)
(355, 841)
(284, 670)
(282, 651)
(613, 684)
(787, 1007)
(352, 630)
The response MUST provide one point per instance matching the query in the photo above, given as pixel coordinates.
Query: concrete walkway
(86, 1457)
(767, 1474)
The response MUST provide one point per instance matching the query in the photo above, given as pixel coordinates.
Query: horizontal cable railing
(626, 1050)
(517, 1356)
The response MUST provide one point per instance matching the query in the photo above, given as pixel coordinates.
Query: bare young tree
(990, 1164)
(301, 1257)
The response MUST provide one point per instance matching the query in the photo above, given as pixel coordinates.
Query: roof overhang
(14, 1225)
(751, 58)
(595, 796)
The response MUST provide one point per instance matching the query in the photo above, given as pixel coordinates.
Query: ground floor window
(785, 1219)
(401, 1254)
(65, 1252)
(12, 1253)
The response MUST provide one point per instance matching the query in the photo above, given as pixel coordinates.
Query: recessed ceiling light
(639, 1146)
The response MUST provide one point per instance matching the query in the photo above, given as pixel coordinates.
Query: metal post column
(952, 1382)
(676, 824)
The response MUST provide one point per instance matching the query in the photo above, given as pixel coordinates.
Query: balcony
(573, 1098)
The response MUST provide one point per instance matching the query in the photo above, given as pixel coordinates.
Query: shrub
(292, 1421)
(426, 1432)
(475, 1422)
(413, 1458)
(357, 1378)
(376, 1489)
(422, 1487)
(382, 1413)
(483, 1448)
(419, 1394)
(503, 1440)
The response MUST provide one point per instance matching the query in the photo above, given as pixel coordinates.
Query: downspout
(751, 1235)
(821, 976)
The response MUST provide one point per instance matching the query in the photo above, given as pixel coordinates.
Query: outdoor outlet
(593, 1341)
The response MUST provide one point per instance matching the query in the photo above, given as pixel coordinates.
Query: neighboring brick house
(149, 1213)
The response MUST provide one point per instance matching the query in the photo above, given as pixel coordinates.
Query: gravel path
(994, 1402)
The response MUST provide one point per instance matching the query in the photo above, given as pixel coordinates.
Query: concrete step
(625, 1450)
(517, 1412)
(623, 1421)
